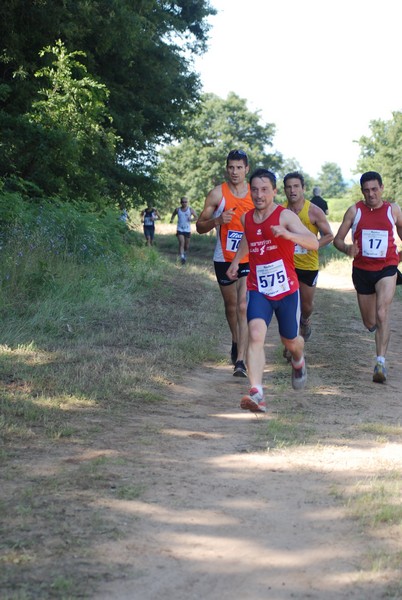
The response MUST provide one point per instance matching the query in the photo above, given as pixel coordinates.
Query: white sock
(299, 364)
(381, 359)
(259, 388)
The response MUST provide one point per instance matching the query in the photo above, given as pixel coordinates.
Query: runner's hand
(232, 272)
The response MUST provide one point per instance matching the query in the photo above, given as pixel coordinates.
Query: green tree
(331, 181)
(381, 151)
(196, 164)
(68, 142)
(141, 50)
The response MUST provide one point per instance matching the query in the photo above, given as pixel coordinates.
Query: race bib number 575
(272, 279)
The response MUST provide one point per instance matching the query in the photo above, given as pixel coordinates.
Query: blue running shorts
(287, 311)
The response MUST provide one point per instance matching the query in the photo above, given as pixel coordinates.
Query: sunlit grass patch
(129, 492)
(377, 500)
(284, 431)
(381, 429)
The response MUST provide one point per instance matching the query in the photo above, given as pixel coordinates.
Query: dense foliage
(382, 151)
(133, 52)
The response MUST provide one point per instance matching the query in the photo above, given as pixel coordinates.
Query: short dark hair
(264, 173)
(370, 176)
(237, 155)
(294, 175)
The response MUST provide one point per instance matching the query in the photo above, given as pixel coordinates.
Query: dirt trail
(226, 512)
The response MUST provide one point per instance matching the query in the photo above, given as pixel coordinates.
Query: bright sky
(319, 70)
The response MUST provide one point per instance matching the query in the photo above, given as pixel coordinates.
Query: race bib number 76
(272, 278)
(233, 240)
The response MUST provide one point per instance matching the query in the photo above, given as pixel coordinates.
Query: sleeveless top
(184, 220)
(374, 232)
(306, 259)
(148, 220)
(229, 234)
(272, 270)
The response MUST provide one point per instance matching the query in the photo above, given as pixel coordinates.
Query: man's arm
(206, 221)
(397, 214)
(339, 240)
(317, 216)
(193, 213)
(291, 228)
(174, 213)
(242, 250)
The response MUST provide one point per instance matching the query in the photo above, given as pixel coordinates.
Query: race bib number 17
(374, 243)
(272, 279)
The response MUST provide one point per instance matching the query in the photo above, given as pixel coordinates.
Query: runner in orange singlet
(224, 206)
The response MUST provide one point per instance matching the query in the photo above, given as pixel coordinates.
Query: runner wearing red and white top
(375, 259)
(373, 230)
(270, 235)
(276, 278)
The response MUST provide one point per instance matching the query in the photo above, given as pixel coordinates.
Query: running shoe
(380, 373)
(305, 329)
(287, 354)
(183, 260)
(253, 401)
(240, 369)
(299, 377)
(233, 353)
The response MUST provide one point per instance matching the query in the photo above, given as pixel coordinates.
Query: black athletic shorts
(185, 234)
(364, 281)
(307, 277)
(222, 267)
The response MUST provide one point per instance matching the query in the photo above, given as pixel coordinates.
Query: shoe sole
(379, 378)
(239, 373)
(247, 404)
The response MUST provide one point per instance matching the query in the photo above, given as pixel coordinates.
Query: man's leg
(254, 400)
(257, 329)
(385, 291)
(295, 347)
(180, 239)
(242, 326)
(374, 309)
(229, 295)
(307, 305)
(367, 307)
(288, 315)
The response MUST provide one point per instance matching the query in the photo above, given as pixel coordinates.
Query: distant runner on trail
(306, 261)
(148, 217)
(184, 214)
(223, 208)
(375, 260)
(270, 234)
